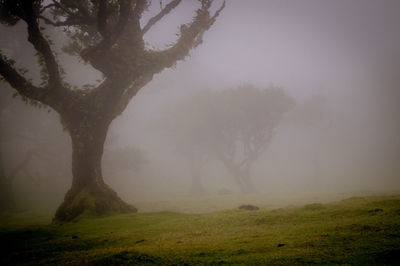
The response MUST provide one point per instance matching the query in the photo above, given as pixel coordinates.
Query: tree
(245, 123)
(234, 126)
(108, 35)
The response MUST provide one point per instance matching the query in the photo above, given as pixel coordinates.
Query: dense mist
(328, 125)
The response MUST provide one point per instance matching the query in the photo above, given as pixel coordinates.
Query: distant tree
(234, 126)
(108, 35)
(245, 122)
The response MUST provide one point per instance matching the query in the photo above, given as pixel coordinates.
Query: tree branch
(131, 92)
(125, 10)
(190, 37)
(19, 83)
(102, 18)
(70, 21)
(41, 45)
(168, 8)
(99, 55)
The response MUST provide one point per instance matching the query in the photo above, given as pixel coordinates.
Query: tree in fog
(234, 126)
(108, 35)
(244, 123)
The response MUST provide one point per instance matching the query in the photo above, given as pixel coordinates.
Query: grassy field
(358, 230)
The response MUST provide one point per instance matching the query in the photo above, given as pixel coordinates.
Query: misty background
(344, 53)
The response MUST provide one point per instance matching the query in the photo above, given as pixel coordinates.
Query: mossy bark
(91, 201)
(89, 195)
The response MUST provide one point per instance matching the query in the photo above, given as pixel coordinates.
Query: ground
(357, 230)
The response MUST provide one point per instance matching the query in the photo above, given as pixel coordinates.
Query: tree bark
(89, 195)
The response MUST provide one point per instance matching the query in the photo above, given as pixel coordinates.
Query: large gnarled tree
(108, 35)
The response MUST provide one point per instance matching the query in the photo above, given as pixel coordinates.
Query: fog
(337, 60)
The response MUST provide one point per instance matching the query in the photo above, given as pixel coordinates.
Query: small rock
(248, 207)
(280, 245)
(74, 237)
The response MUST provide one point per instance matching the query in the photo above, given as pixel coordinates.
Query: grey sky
(297, 44)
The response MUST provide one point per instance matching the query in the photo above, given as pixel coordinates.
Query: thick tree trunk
(89, 195)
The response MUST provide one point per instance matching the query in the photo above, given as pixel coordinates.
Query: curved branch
(41, 45)
(70, 21)
(190, 36)
(100, 55)
(132, 91)
(168, 8)
(102, 18)
(20, 83)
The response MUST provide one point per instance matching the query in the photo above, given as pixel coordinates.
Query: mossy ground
(363, 230)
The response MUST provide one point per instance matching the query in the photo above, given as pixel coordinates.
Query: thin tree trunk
(242, 178)
(247, 181)
(89, 194)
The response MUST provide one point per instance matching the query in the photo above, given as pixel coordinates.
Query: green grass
(363, 231)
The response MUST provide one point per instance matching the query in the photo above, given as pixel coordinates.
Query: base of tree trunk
(91, 201)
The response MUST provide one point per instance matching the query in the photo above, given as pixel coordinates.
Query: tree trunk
(89, 195)
(242, 178)
(248, 186)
